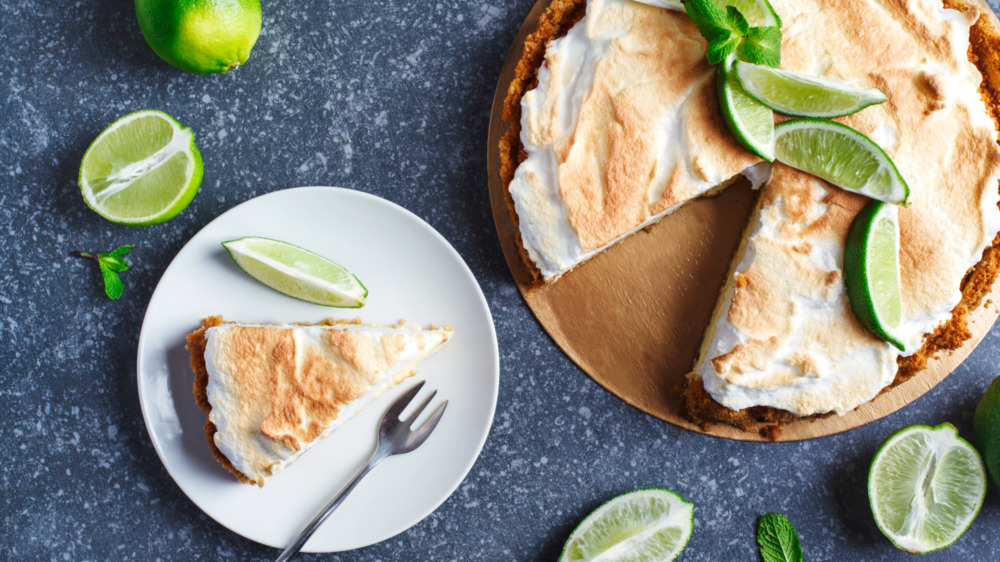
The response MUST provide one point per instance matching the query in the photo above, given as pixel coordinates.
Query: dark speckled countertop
(391, 98)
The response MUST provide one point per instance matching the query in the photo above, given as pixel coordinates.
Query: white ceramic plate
(411, 272)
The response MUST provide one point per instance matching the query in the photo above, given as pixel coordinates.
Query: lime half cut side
(750, 122)
(802, 95)
(142, 170)
(841, 156)
(871, 270)
(926, 485)
(650, 524)
(757, 12)
(297, 272)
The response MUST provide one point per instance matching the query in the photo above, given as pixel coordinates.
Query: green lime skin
(201, 36)
(856, 273)
(986, 424)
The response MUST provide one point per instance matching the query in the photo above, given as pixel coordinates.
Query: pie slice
(272, 391)
(594, 153)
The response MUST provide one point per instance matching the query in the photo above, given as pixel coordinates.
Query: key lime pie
(272, 391)
(615, 123)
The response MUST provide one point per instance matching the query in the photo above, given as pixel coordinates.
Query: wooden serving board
(633, 317)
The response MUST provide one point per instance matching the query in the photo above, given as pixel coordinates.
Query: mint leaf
(110, 264)
(113, 286)
(736, 20)
(719, 50)
(709, 19)
(777, 539)
(121, 251)
(763, 46)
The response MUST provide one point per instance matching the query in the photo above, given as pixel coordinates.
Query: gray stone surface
(391, 98)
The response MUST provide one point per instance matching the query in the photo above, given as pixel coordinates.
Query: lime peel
(650, 523)
(802, 95)
(132, 175)
(842, 156)
(871, 270)
(750, 122)
(297, 272)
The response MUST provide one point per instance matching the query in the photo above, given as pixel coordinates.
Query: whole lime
(986, 424)
(200, 36)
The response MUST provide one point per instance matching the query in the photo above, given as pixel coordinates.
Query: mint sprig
(111, 264)
(727, 32)
(777, 539)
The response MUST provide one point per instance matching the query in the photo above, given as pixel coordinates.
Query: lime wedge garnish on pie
(871, 270)
(802, 95)
(926, 485)
(647, 524)
(297, 272)
(841, 156)
(142, 170)
(750, 122)
(757, 12)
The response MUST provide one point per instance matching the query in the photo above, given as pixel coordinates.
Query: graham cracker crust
(984, 52)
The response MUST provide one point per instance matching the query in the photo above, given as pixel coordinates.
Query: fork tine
(420, 435)
(420, 408)
(397, 407)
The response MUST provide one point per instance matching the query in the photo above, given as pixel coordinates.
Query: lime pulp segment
(926, 486)
(143, 169)
(750, 122)
(871, 270)
(841, 156)
(297, 272)
(802, 95)
(647, 524)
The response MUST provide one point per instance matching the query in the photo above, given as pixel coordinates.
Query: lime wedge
(802, 95)
(986, 424)
(142, 170)
(926, 485)
(757, 12)
(841, 156)
(871, 270)
(647, 524)
(297, 272)
(750, 122)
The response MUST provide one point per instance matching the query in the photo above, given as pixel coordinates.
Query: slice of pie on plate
(272, 391)
(614, 123)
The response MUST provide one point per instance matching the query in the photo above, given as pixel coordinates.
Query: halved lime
(297, 272)
(986, 424)
(802, 95)
(142, 170)
(750, 122)
(757, 12)
(650, 524)
(841, 156)
(871, 270)
(925, 486)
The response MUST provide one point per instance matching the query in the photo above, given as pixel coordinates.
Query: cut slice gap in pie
(272, 391)
(617, 125)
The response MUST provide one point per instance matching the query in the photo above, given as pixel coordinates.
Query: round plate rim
(494, 356)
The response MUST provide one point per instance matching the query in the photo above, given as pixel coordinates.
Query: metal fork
(395, 437)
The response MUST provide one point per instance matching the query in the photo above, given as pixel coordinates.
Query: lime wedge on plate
(142, 170)
(648, 524)
(297, 272)
(802, 95)
(750, 122)
(871, 270)
(986, 424)
(926, 485)
(757, 12)
(841, 156)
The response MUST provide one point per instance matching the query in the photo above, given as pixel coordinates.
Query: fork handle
(322, 516)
